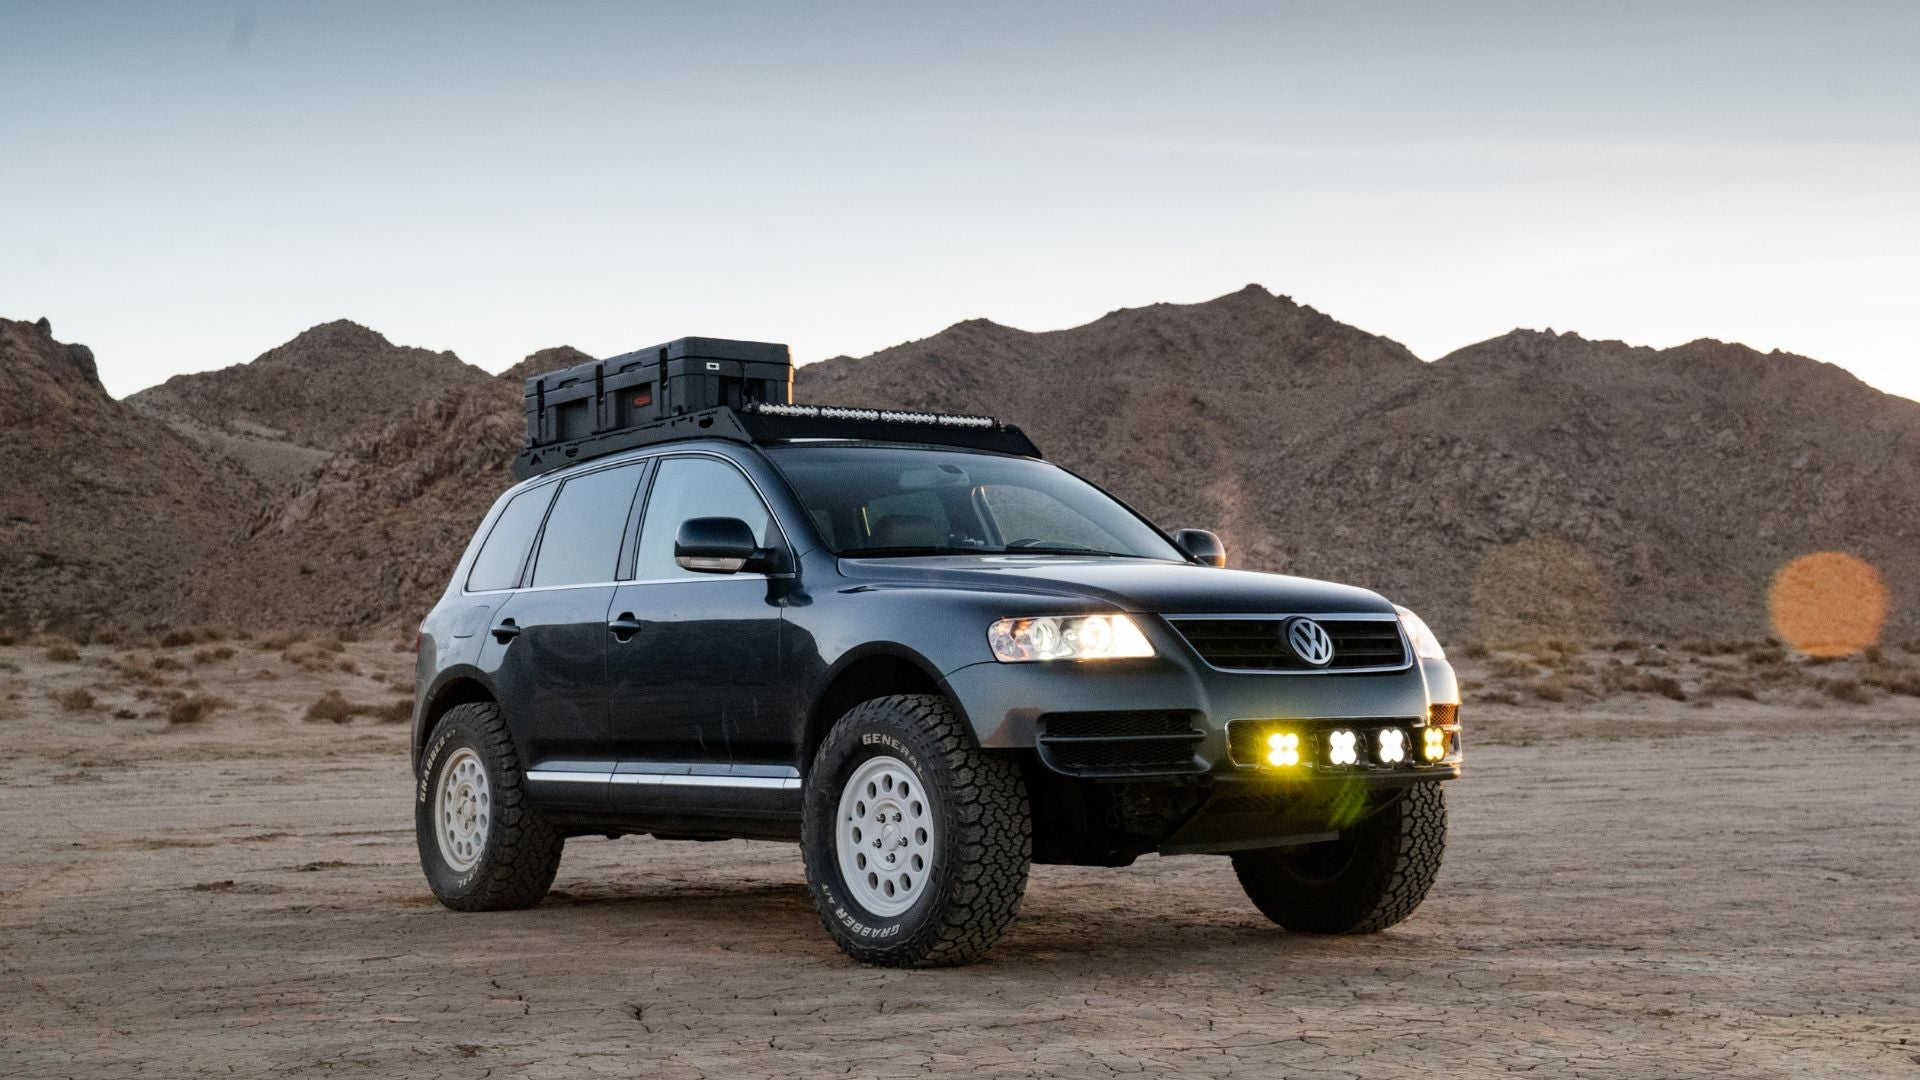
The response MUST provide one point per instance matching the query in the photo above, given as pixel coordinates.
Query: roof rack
(758, 424)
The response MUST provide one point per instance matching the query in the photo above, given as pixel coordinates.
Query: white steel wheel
(462, 810)
(885, 836)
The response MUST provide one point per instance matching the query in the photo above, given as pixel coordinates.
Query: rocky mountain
(107, 518)
(1533, 485)
(1538, 484)
(286, 411)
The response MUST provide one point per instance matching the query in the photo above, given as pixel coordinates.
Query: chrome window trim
(656, 457)
(1406, 647)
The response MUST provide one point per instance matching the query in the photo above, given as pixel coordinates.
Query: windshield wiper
(1033, 550)
(895, 552)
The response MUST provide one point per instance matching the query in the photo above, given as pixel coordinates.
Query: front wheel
(917, 843)
(483, 844)
(1369, 878)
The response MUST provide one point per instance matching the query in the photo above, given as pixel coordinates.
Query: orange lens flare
(1828, 603)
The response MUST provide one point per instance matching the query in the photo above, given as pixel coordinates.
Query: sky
(184, 186)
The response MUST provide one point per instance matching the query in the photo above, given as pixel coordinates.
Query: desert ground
(207, 867)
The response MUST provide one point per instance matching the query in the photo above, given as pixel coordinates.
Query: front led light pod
(1283, 749)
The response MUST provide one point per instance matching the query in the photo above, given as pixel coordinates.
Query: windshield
(880, 501)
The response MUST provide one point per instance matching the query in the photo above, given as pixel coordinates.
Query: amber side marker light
(1434, 747)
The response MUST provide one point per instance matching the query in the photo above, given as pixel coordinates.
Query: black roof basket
(758, 424)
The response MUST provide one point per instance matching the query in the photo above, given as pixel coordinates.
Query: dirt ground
(1633, 888)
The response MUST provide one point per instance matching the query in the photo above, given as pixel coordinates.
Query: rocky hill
(1533, 485)
(1536, 484)
(286, 411)
(107, 518)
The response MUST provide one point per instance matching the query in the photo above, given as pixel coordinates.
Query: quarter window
(691, 487)
(504, 554)
(581, 544)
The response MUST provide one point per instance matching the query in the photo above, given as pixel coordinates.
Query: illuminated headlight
(1085, 637)
(1435, 746)
(1283, 748)
(1393, 746)
(1425, 645)
(1342, 748)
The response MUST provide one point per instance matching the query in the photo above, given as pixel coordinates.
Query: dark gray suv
(929, 665)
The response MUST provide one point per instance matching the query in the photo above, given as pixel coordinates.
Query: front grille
(1261, 644)
(1130, 743)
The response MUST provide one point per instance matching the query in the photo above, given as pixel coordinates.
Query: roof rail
(758, 424)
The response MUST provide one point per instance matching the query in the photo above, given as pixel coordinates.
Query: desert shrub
(276, 642)
(1896, 682)
(1665, 686)
(265, 675)
(1729, 686)
(8, 638)
(192, 710)
(349, 665)
(63, 654)
(378, 676)
(175, 639)
(1873, 655)
(1851, 691)
(79, 699)
(213, 655)
(1552, 688)
(333, 708)
(124, 714)
(1497, 696)
(398, 711)
(308, 658)
(1510, 667)
(1472, 650)
(104, 637)
(167, 663)
(333, 645)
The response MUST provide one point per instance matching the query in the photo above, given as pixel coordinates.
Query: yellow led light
(1283, 748)
(1435, 746)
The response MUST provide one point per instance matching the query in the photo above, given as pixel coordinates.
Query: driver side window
(693, 487)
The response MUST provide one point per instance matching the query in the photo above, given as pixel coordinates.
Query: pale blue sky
(183, 186)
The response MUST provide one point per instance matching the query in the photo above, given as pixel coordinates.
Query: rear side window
(582, 542)
(504, 554)
(691, 487)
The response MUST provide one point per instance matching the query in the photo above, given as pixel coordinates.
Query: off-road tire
(984, 837)
(1368, 879)
(522, 851)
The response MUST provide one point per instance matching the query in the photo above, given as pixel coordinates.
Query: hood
(1147, 585)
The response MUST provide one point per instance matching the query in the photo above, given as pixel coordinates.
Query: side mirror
(1202, 545)
(716, 545)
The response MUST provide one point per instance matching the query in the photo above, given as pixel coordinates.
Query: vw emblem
(1310, 642)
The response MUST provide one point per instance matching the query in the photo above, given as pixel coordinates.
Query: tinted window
(900, 502)
(504, 554)
(691, 487)
(582, 541)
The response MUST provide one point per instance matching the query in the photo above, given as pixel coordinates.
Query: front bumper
(1017, 706)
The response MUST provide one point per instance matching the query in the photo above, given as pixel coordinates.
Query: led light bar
(887, 416)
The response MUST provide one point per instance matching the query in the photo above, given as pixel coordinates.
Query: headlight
(1084, 637)
(1425, 645)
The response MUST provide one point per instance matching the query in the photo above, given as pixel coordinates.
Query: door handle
(625, 626)
(506, 631)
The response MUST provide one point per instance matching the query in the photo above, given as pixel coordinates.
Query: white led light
(1085, 637)
(892, 416)
(1392, 746)
(1341, 748)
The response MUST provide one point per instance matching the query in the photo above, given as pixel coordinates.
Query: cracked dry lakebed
(1662, 891)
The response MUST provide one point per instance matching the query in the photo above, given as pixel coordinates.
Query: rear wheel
(483, 844)
(917, 843)
(1371, 877)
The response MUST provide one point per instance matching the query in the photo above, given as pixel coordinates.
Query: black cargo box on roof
(687, 375)
(712, 388)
